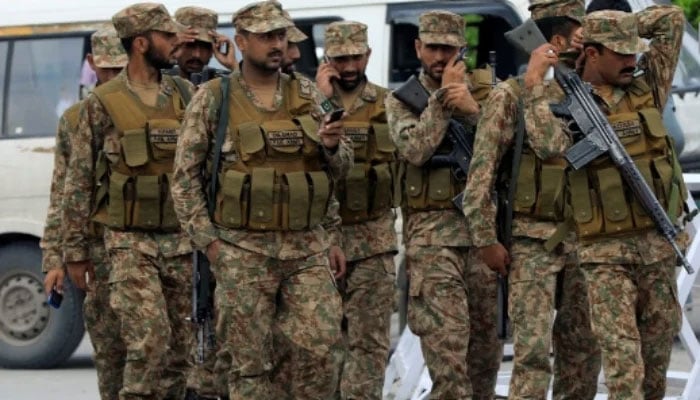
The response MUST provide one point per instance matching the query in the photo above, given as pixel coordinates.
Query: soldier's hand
(454, 72)
(228, 60)
(54, 279)
(456, 96)
(213, 251)
(496, 257)
(82, 274)
(324, 78)
(189, 35)
(336, 256)
(331, 132)
(541, 59)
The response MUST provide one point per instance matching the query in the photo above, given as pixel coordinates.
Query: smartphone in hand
(223, 48)
(55, 299)
(461, 54)
(335, 115)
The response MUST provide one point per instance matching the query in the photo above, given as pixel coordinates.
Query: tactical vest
(276, 181)
(602, 204)
(134, 192)
(367, 192)
(429, 188)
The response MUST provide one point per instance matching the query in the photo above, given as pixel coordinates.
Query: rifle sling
(220, 134)
(515, 167)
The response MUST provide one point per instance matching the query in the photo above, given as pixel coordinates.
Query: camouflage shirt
(52, 240)
(371, 237)
(663, 25)
(195, 148)
(416, 139)
(96, 131)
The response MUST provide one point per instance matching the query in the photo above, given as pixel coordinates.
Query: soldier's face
(263, 51)
(434, 58)
(291, 56)
(161, 46)
(351, 69)
(192, 57)
(613, 68)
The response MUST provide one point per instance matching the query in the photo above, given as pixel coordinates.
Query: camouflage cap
(574, 9)
(441, 27)
(616, 30)
(107, 49)
(261, 17)
(346, 38)
(294, 34)
(143, 17)
(201, 19)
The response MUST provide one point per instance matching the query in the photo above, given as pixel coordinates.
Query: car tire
(33, 334)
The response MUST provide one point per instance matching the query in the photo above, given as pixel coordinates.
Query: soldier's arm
(332, 222)
(51, 241)
(79, 182)
(663, 25)
(545, 132)
(416, 139)
(188, 184)
(493, 137)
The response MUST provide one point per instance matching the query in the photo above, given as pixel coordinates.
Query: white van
(42, 48)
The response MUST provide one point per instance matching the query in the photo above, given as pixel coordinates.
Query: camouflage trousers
(102, 325)
(297, 297)
(453, 309)
(532, 293)
(368, 299)
(152, 298)
(635, 315)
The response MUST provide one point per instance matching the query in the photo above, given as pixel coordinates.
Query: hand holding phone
(461, 54)
(55, 299)
(223, 47)
(335, 115)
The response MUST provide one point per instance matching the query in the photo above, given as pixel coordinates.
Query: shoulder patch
(306, 86)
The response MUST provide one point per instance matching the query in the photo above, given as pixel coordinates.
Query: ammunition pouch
(431, 188)
(540, 190)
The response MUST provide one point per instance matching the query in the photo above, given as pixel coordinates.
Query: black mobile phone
(336, 115)
(55, 299)
(461, 54)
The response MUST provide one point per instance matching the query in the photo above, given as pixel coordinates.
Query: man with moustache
(119, 175)
(107, 58)
(366, 200)
(540, 278)
(619, 249)
(293, 54)
(270, 239)
(453, 296)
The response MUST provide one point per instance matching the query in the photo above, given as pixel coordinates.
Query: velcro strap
(319, 200)
(563, 229)
(262, 198)
(382, 187)
(147, 206)
(298, 200)
(117, 206)
(134, 147)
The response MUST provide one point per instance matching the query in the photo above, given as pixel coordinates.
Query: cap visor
(269, 25)
(441, 38)
(346, 50)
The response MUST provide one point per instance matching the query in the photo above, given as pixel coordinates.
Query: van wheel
(32, 334)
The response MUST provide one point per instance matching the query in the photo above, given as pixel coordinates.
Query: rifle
(207, 74)
(598, 137)
(415, 97)
(202, 297)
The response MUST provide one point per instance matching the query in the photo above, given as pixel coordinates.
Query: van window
(486, 22)
(3, 67)
(44, 76)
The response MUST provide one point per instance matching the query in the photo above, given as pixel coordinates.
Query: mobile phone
(223, 48)
(336, 115)
(55, 299)
(461, 54)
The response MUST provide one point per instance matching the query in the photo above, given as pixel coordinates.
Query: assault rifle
(597, 136)
(415, 96)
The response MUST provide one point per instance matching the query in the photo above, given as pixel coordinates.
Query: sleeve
(188, 184)
(332, 222)
(546, 134)
(663, 25)
(494, 135)
(341, 160)
(51, 240)
(79, 184)
(417, 138)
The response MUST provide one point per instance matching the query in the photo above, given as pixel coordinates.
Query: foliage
(692, 10)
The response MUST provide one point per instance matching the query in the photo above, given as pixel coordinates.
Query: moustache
(628, 70)
(275, 53)
(438, 65)
(349, 75)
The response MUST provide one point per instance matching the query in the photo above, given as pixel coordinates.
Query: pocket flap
(251, 137)
(147, 187)
(320, 194)
(262, 183)
(439, 184)
(383, 138)
(654, 122)
(356, 188)
(309, 126)
(298, 199)
(382, 185)
(612, 195)
(414, 180)
(580, 196)
(526, 192)
(134, 147)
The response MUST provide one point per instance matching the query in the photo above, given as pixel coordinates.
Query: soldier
(598, 5)
(366, 201)
(629, 267)
(268, 249)
(536, 273)
(293, 54)
(193, 56)
(122, 158)
(107, 60)
(453, 296)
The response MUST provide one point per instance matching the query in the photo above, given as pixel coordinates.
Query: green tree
(692, 10)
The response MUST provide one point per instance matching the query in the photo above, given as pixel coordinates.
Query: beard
(430, 70)
(156, 60)
(265, 65)
(350, 85)
(192, 65)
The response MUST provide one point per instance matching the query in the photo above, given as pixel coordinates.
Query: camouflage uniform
(150, 271)
(369, 237)
(201, 19)
(265, 277)
(630, 276)
(534, 271)
(453, 296)
(100, 320)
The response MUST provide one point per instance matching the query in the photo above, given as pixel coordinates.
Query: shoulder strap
(183, 89)
(220, 133)
(515, 166)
